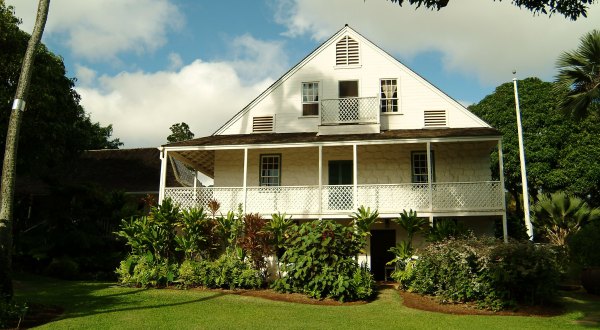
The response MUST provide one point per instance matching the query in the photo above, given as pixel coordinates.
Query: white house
(348, 126)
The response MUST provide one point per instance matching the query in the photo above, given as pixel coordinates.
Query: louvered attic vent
(435, 118)
(262, 124)
(346, 52)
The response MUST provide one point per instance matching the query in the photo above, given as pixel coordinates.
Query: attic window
(435, 118)
(346, 52)
(262, 124)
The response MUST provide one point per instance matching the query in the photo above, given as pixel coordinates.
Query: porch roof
(312, 137)
(199, 153)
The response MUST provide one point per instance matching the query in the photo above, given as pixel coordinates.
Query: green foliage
(487, 271)
(561, 152)
(231, 272)
(228, 228)
(557, 216)
(63, 268)
(446, 228)
(579, 73)
(571, 9)
(412, 224)
(583, 245)
(277, 228)
(11, 314)
(320, 261)
(363, 219)
(145, 271)
(180, 132)
(195, 231)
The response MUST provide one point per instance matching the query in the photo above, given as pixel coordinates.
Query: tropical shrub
(194, 236)
(255, 241)
(230, 272)
(446, 228)
(557, 216)
(320, 261)
(487, 271)
(145, 271)
(583, 246)
(11, 314)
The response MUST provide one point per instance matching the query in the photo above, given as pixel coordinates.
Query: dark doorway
(381, 242)
(348, 94)
(340, 173)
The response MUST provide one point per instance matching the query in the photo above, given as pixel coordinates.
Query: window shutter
(435, 118)
(346, 52)
(263, 124)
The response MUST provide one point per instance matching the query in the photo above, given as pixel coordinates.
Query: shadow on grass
(587, 304)
(80, 299)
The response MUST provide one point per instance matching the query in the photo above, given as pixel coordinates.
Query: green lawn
(94, 305)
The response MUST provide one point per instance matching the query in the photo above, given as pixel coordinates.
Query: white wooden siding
(415, 94)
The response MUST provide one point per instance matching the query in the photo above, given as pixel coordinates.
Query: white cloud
(85, 76)
(143, 105)
(175, 61)
(481, 38)
(102, 29)
(254, 59)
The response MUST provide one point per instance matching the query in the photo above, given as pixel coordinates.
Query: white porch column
(501, 168)
(245, 184)
(320, 182)
(163, 174)
(355, 176)
(429, 179)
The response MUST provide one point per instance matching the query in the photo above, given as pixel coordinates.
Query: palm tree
(579, 73)
(559, 215)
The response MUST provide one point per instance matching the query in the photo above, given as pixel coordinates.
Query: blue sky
(143, 65)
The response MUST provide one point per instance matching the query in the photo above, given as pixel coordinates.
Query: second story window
(389, 95)
(310, 99)
(419, 167)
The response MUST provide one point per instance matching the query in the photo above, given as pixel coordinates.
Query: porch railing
(352, 110)
(340, 199)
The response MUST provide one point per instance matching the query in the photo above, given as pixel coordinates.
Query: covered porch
(454, 177)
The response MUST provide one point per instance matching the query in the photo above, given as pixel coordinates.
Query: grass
(96, 305)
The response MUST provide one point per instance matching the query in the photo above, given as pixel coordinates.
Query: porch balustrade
(352, 110)
(310, 201)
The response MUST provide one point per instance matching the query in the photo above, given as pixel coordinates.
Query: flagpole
(528, 224)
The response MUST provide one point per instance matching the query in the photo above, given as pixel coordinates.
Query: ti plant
(363, 219)
(412, 224)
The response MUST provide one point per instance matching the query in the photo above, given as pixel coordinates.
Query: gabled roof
(345, 30)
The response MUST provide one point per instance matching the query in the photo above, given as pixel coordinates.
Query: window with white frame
(389, 95)
(310, 98)
(419, 167)
(270, 170)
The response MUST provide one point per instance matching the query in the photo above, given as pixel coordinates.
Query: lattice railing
(468, 196)
(363, 110)
(335, 199)
(284, 199)
(392, 198)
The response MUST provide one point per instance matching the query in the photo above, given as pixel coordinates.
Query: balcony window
(270, 170)
(419, 167)
(310, 99)
(389, 95)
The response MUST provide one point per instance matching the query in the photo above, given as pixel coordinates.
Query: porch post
(320, 182)
(245, 184)
(429, 178)
(355, 176)
(163, 174)
(501, 165)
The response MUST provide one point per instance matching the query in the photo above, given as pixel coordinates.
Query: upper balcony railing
(351, 110)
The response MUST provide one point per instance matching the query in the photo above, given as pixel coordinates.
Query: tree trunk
(10, 153)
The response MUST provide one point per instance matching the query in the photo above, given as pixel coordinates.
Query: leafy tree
(55, 127)
(561, 152)
(579, 72)
(180, 132)
(571, 9)
(12, 142)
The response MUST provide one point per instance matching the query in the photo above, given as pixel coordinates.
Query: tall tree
(571, 9)
(180, 132)
(561, 152)
(12, 140)
(579, 72)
